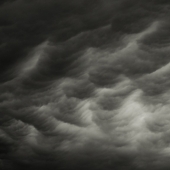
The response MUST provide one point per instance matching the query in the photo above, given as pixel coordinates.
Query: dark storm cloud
(25, 24)
(82, 80)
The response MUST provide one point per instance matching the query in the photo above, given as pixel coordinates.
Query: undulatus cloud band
(84, 84)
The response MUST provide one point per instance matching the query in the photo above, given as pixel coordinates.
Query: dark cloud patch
(159, 39)
(133, 16)
(26, 24)
(79, 89)
(65, 59)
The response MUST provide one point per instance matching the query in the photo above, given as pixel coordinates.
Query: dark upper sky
(84, 84)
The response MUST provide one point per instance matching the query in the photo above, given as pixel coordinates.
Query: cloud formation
(84, 85)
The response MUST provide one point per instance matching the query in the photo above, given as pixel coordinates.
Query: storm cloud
(84, 84)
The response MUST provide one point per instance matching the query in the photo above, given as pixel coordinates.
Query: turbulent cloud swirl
(84, 85)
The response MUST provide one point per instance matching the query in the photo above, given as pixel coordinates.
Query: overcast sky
(84, 84)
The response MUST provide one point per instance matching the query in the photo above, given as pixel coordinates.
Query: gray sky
(84, 84)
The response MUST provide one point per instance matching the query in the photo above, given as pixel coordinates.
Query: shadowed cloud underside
(84, 85)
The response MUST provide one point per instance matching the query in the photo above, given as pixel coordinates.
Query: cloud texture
(84, 85)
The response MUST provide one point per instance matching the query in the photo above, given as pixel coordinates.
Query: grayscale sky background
(84, 84)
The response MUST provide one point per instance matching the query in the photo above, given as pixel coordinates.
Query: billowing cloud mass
(84, 85)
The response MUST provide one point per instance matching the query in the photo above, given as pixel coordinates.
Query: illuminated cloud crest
(84, 85)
